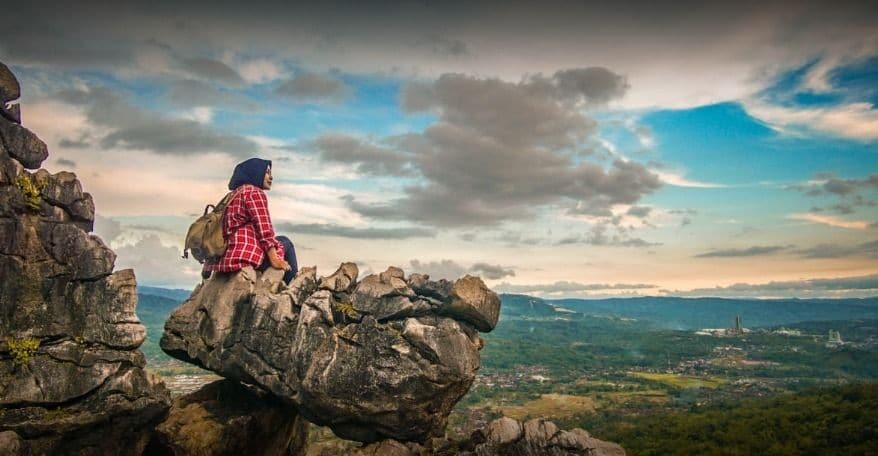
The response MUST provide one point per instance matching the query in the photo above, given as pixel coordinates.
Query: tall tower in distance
(739, 325)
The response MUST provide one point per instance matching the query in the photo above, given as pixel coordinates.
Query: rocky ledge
(384, 357)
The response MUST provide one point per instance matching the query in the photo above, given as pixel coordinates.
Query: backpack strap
(223, 202)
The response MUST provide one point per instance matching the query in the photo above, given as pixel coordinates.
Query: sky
(557, 149)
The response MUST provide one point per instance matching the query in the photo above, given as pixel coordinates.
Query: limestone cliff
(71, 376)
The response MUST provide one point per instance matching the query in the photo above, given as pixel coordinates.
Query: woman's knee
(289, 248)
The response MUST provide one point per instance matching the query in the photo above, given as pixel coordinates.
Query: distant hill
(528, 306)
(696, 313)
(175, 293)
(651, 313)
(153, 309)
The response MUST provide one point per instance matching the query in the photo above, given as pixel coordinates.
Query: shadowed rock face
(71, 377)
(370, 359)
(228, 418)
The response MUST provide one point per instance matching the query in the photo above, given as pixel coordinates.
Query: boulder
(466, 299)
(10, 442)
(9, 88)
(503, 431)
(387, 296)
(64, 190)
(12, 113)
(22, 144)
(503, 436)
(342, 280)
(471, 301)
(371, 360)
(390, 447)
(534, 438)
(228, 418)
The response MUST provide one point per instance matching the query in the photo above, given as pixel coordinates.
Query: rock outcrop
(385, 357)
(504, 436)
(228, 418)
(536, 437)
(71, 377)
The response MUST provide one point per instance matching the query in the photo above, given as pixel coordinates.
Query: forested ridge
(834, 420)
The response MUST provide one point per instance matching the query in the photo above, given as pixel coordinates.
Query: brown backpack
(205, 236)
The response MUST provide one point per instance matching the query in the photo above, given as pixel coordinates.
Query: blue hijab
(251, 171)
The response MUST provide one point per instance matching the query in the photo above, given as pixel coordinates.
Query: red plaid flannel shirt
(247, 227)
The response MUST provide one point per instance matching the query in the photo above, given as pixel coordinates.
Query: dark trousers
(289, 256)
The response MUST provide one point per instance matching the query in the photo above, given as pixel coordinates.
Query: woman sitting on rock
(247, 225)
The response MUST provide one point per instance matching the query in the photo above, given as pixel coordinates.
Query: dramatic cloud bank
(499, 151)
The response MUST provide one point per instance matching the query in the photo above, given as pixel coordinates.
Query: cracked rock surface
(384, 357)
(71, 375)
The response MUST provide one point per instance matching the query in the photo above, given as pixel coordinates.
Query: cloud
(191, 92)
(831, 221)
(569, 287)
(598, 236)
(445, 269)
(131, 127)
(748, 252)
(353, 232)
(678, 180)
(260, 70)
(831, 287)
(107, 228)
(596, 85)
(491, 271)
(65, 162)
(443, 46)
(313, 87)
(368, 158)
(866, 249)
(707, 55)
(212, 70)
(157, 265)
(82, 142)
(840, 208)
(853, 120)
(849, 192)
(451, 270)
(500, 150)
(639, 211)
(830, 184)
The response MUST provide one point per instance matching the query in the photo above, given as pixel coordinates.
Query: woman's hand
(277, 262)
